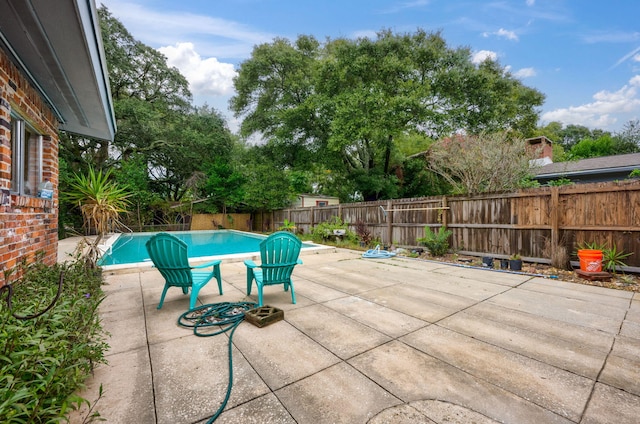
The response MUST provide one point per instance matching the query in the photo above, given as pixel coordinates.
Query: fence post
(311, 214)
(390, 222)
(554, 220)
(445, 218)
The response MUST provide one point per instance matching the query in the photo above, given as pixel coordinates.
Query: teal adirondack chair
(278, 255)
(169, 255)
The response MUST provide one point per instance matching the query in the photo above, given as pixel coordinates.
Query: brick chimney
(541, 146)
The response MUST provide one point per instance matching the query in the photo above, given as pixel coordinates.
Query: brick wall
(28, 225)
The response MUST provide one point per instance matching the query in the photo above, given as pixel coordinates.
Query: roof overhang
(58, 46)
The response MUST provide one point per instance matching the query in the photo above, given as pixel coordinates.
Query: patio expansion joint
(437, 324)
(146, 336)
(606, 359)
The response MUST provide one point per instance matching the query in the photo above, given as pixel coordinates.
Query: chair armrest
(250, 264)
(207, 265)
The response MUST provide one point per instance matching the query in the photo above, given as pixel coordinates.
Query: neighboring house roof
(605, 168)
(58, 46)
(319, 196)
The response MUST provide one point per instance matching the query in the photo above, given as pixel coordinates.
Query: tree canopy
(347, 102)
(395, 115)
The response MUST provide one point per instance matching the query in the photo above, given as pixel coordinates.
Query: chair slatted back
(169, 255)
(279, 255)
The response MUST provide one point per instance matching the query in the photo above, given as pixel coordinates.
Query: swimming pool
(126, 250)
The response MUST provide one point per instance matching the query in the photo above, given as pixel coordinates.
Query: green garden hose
(226, 316)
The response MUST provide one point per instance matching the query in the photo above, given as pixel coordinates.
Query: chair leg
(166, 286)
(249, 280)
(293, 296)
(218, 275)
(194, 297)
(259, 294)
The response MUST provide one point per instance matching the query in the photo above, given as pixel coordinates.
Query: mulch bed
(618, 281)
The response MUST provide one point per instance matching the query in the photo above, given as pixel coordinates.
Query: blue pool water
(130, 248)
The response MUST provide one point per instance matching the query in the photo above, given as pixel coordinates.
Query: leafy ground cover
(44, 359)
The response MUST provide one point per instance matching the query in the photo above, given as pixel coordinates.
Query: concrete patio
(376, 341)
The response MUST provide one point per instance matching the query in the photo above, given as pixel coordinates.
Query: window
(322, 203)
(26, 158)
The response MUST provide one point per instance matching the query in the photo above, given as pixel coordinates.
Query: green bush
(44, 360)
(436, 243)
(323, 232)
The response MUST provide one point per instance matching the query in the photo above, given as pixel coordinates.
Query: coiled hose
(226, 316)
(9, 289)
(377, 253)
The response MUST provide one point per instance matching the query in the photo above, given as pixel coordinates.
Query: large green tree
(349, 102)
(164, 147)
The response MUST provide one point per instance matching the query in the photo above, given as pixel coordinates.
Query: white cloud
(206, 76)
(482, 55)
(525, 73)
(399, 7)
(633, 54)
(531, 2)
(212, 36)
(600, 113)
(509, 35)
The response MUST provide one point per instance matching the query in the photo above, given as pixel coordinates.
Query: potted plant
(487, 261)
(504, 263)
(364, 233)
(287, 226)
(515, 262)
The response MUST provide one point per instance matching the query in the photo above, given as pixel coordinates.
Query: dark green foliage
(46, 359)
(351, 103)
(436, 242)
(590, 148)
(560, 182)
(223, 188)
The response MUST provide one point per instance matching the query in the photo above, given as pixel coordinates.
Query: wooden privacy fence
(533, 223)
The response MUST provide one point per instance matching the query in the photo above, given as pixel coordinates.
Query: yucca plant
(100, 200)
(613, 259)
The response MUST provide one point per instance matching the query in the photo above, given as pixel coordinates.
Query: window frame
(26, 142)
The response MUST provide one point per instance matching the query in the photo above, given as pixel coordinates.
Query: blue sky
(584, 55)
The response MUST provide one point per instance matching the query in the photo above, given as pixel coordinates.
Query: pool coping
(233, 257)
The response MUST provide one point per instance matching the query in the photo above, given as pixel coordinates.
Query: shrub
(363, 232)
(324, 231)
(436, 243)
(288, 226)
(44, 360)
